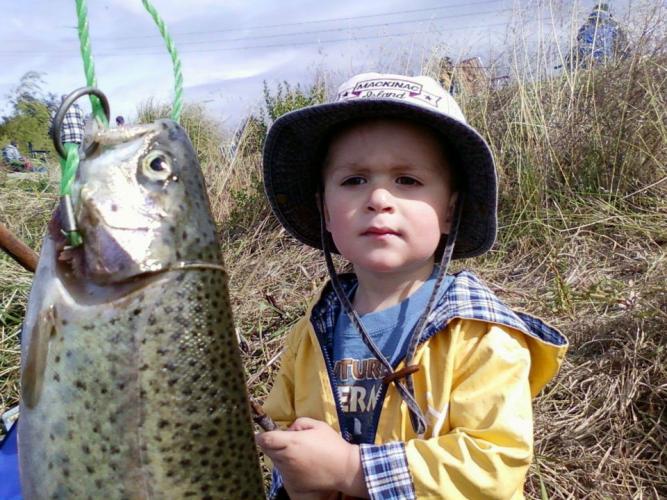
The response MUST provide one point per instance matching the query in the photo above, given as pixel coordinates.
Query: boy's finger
(304, 423)
(272, 440)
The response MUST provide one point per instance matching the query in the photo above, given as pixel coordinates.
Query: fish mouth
(103, 259)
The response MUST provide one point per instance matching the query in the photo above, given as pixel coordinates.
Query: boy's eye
(353, 181)
(407, 181)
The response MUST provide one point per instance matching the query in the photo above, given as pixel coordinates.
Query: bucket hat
(296, 144)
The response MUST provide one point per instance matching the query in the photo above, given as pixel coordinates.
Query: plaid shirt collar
(466, 298)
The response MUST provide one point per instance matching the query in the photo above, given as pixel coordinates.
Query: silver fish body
(132, 383)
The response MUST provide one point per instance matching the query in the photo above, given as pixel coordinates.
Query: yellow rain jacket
(480, 366)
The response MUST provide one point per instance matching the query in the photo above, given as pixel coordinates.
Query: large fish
(132, 384)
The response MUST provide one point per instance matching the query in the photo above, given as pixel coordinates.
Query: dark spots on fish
(172, 229)
(189, 494)
(120, 386)
(184, 235)
(70, 418)
(143, 367)
(142, 393)
(168, 309)
(50, 465)
(210, 333)
(66, 472)
(114, 450)
(169, 367)
(63, 322)
(212, 432)
(79, 384)
(162, 424)
(103, 390)
(170, 473)
(86, 405)
(51, 436)
(197, 240)
(178, 255)
(195, 426)
(68, 353)
(88, 327)
(112, 419)
(192, 362)
(85, 448)
(98, 484)
(70, 435)
(181, 207)
(162, 351)
(204, 451)
(96, 428)
(56, 377)
(176, 336)
(57, 358)
(172, 382)
(185, 462)
(137, 311)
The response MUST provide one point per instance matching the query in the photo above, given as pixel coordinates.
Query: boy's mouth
(380, 231)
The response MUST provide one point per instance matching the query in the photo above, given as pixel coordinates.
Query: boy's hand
(314, 460)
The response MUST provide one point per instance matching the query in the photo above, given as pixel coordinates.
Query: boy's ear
(322, 207)
(449, 214)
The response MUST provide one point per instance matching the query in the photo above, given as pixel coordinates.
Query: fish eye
(156, 166)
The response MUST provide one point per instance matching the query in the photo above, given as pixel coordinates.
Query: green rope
(70, 164)
(178, 76)
(68, 167)
(88, 66)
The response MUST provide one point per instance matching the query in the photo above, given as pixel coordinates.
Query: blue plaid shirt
(385, 466)
(73, 125)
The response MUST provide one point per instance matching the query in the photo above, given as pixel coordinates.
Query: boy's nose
(380, 200)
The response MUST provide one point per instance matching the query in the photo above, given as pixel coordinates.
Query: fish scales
(141, 390)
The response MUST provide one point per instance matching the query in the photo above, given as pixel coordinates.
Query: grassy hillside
(582, 243)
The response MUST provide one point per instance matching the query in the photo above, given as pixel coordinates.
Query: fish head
(141, 205)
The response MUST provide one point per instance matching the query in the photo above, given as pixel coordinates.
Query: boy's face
(387, 195)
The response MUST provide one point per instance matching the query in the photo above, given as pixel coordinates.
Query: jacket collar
(466, 298)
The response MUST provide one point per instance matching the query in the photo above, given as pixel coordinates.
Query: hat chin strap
(405, 389)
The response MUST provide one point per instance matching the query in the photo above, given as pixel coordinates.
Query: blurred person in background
(599, 40)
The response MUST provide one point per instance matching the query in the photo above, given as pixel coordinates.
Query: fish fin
(32, 376)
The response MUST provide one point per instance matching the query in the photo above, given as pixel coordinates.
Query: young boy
(401, 381)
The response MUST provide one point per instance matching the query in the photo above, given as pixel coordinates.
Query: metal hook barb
(62, 110)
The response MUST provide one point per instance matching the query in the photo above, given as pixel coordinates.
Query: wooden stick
(261, 418)
(18, 250)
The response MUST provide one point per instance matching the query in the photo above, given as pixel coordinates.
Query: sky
(229, 48)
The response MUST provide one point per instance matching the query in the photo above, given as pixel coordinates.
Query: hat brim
(293, 154)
